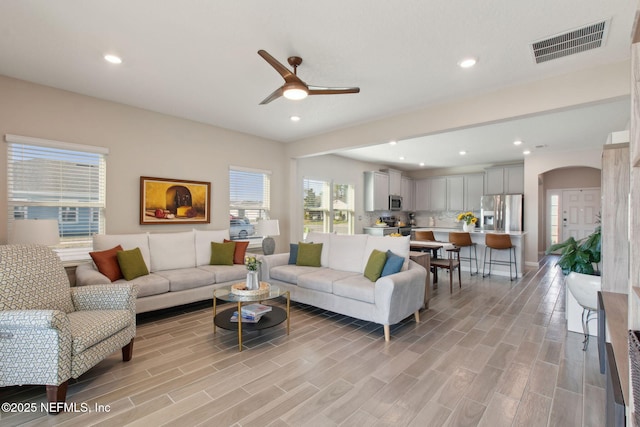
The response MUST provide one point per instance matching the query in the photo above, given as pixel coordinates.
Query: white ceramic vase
(252, 280)
(468, 227)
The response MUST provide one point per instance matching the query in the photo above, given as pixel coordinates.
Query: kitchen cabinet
(504, 180)
(422, 191)
(438, 193)
(395, 182)
(455, 193)
(376, 191)
(473, 191)
(407, 190)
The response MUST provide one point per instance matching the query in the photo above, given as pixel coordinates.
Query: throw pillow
(293, 253)
(107, 262)
(132, 264)
(222, 253)
(309, 254)
(239, 252)
(374, 267)
(393, 264)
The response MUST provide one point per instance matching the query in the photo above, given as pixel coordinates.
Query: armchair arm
(401, 294)
(33, 319)
(116, 296)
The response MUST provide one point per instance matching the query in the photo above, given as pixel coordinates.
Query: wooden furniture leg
(387, 332)
(127, 351)
(55, 394)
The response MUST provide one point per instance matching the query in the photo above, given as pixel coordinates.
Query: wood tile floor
(495, 353)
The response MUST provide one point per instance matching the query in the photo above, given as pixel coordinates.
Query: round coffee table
(272, 318)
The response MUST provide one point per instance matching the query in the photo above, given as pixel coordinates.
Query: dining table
(430, 245)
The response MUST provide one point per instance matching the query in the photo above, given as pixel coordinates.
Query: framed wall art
(174, 201)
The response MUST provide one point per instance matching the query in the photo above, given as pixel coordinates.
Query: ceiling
(198, 60)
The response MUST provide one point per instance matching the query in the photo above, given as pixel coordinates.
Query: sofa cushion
(170, 251)
(132, 264)
(203, 243)
(322, 279)
(84, 332)
(151, 284)
(393, 264)
(397, 245)
(375, 264)
(222, 253)
(226, 273)
(239, 252)
(346, 252)
(103, 242)
(325, 239)
(356, 287)
(309, 254)
(290, 273)
(187, 278)
(107, 263)
(293, 253)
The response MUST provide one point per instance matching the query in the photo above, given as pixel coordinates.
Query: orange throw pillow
(241, 250)
(107, 263)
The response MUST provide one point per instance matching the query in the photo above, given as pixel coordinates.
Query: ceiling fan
(293, 87)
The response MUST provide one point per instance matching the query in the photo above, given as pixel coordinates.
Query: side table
(424, 259)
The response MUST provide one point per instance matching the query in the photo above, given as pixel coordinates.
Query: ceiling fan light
(295, 91)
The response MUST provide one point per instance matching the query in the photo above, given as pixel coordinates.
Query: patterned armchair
(50, 332)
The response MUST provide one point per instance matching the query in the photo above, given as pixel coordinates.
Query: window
(249, 201)
(57, 180)
(328, 207)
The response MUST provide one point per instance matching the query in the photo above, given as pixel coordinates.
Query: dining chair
(451, 262)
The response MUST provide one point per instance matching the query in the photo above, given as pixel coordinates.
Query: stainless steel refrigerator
(502, 212)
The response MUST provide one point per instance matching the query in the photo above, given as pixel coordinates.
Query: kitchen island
(477, 237)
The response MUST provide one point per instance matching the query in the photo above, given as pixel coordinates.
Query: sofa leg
(387, 332)
(56, 394)
(417, 316)
(127, 351)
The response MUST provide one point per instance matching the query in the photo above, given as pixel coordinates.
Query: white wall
(141, 143)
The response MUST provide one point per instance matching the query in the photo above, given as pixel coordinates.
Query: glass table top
(225, 294)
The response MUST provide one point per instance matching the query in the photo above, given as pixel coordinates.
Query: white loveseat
(178, 264)
(339, 285)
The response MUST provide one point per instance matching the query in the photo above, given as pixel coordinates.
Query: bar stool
(463, 240)
(499, 242)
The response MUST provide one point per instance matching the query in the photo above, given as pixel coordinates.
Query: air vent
(572, 42)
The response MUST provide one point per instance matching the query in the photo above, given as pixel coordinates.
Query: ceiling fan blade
(275, 95)
(286, 74)
(316, 90)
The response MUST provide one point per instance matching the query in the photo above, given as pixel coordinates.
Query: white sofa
(178, 264)
(340, 286)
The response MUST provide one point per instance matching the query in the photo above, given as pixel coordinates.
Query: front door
(580, 212)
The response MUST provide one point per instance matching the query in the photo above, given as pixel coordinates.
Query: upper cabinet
(421, 195)
(473, 191)
(507, 179)
(455, 193)
(395, 182)
(376, 191)
(449, 193)
(407, 191)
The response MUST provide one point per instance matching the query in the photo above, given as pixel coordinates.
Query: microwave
(395, 203)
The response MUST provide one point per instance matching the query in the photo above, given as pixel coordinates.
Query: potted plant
(579, 255)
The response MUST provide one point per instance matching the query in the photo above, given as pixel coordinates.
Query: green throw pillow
(309, 254)
(132, 264)
(222, 253)
(374, 267)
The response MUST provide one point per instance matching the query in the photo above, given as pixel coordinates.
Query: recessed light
(517, 142)
(526, 152)
(401, 157)
(462, 153)
(421, 164)
(295, 118)
(113, 59)
(393, 142)
(467, 62)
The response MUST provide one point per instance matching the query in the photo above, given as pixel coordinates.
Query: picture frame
(174, 201)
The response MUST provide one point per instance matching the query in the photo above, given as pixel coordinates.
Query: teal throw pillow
(293, 253)
(374, 267)
(309, 254)
(222, 253)
(393, 264)
(132, 264)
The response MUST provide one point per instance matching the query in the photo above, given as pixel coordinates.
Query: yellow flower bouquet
(468, 218)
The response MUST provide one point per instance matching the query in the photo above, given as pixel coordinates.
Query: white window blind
(57, 180)
(249, 200)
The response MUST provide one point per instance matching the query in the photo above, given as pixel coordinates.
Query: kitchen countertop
(477, 231)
